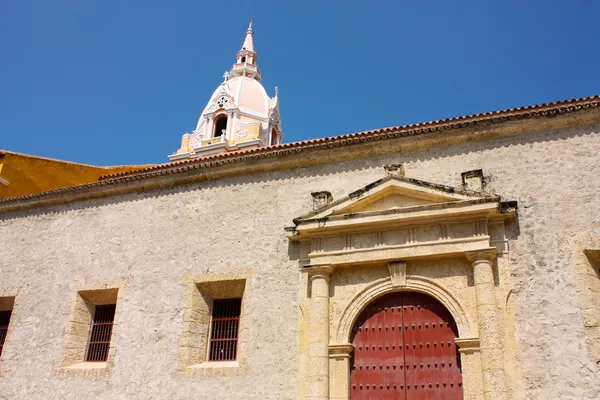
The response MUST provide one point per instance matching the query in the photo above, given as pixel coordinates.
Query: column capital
(467, 345)
(339, 351)
(488, 254)
(324, 270)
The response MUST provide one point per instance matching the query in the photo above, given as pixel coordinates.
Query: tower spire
(246, 58)
(249, 41)
(240, 115)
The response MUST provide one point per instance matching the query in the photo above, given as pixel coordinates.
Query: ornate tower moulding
(396, 221)
(239, 115)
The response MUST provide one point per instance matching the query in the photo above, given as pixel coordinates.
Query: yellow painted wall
(22, 174)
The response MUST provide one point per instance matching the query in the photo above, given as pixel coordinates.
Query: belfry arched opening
(404, 349)
(220, 126)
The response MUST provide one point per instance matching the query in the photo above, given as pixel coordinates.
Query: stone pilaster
(229, 134)
(490, 344)
(339, 370)
(471, 367)
(208, 128)
(318, 351)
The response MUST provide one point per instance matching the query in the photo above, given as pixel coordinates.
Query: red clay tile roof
(546, 110)
(536, 111)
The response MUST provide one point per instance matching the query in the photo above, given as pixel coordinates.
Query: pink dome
(248, 95)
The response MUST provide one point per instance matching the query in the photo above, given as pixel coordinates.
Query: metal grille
(4, 320)
(104, 317)
(224, 330)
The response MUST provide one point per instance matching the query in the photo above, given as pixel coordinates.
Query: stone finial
(321, 199)
(473, 180)
(394, 169)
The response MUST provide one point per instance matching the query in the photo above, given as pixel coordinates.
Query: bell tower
(239, 115)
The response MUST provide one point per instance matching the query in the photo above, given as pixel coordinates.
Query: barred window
(101, 331)
(224, 329)
(4, 320)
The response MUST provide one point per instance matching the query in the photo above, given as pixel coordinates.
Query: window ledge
(217, 368)
(86, 370)
(89, 365)
(215, 365)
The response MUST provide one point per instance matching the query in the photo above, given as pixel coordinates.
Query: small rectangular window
(224, 329)
(4, 320)
(102, 325)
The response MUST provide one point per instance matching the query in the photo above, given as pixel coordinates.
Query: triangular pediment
(395, 192)
(399, 218)
(392, 197)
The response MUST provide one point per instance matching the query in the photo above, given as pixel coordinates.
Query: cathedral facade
(454, 259)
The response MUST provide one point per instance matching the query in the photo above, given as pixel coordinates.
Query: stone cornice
(292, 155)
(410, 216)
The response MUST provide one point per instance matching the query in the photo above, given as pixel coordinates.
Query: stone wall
(152, 246)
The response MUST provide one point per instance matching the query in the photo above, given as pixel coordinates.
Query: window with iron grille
(102, 325)
(4, 320)
(224, 329)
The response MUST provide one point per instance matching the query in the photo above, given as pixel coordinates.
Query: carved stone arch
(384, 286)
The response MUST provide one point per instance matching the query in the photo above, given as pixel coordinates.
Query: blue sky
(118, 82)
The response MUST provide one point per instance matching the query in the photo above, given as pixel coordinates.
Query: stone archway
(410, 283)
(407, 220)
(341, 348)
(404, 348)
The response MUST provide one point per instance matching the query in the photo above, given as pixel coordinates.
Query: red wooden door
(404, 349)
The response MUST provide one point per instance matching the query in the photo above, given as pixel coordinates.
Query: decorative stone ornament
(398, 273)
(473, 180)
(321, 199)
(224, 100)
(394, 169)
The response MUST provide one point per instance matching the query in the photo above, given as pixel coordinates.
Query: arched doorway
(404, 349)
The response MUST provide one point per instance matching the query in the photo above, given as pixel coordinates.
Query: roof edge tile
(493, 117)
(557, 107)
